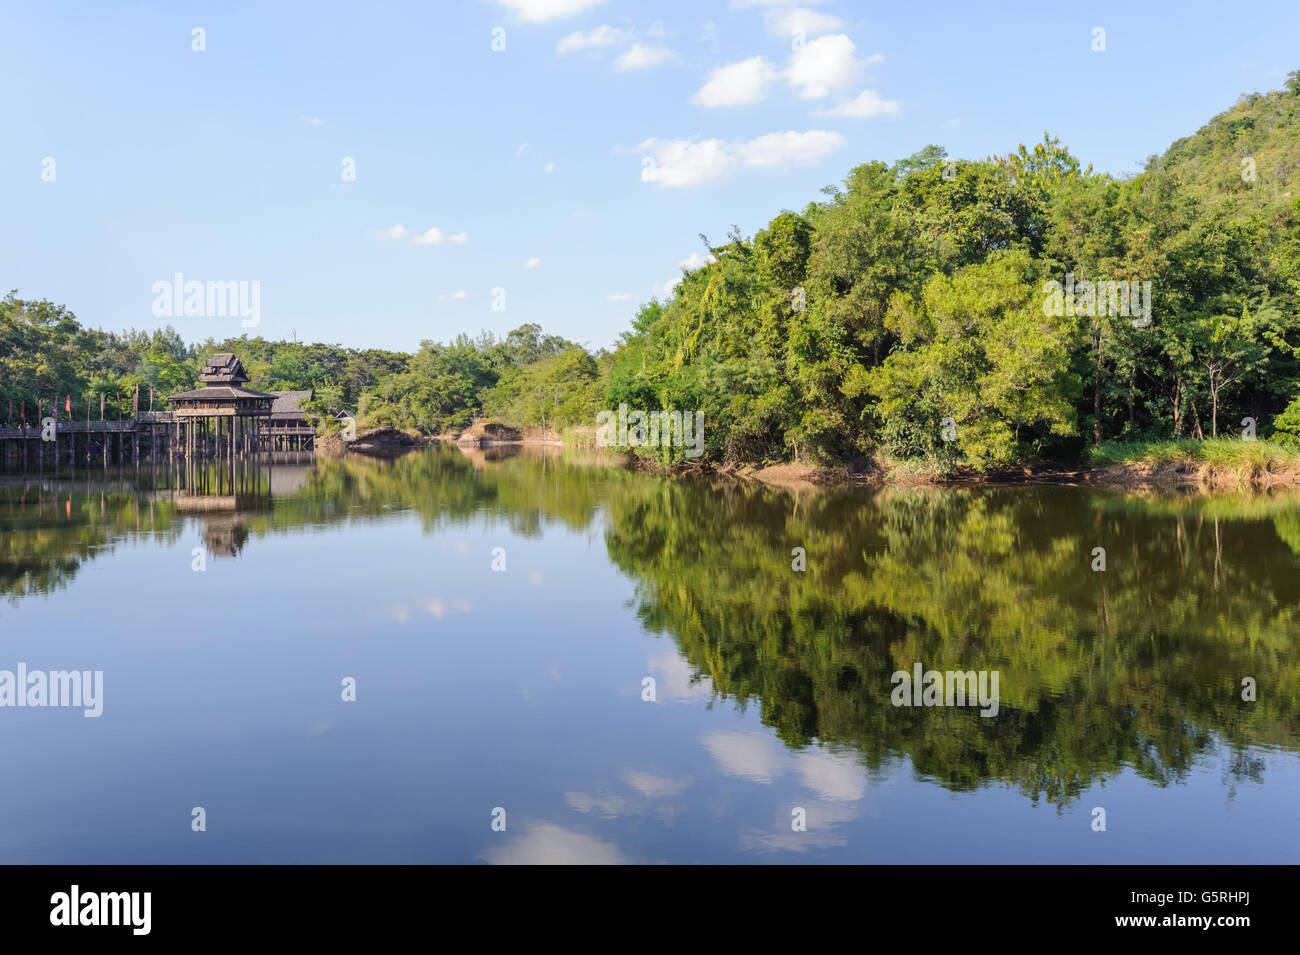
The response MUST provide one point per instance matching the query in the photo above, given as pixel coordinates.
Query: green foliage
(529, 378)
(550, 393)
(916, 292)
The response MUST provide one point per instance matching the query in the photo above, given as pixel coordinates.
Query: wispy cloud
(682, 163)
(828, 64)
(595, 38)
(635, 56)
(436, 236)
(665, 289)
(459, 295)
(810, 23)
(617, 297)
(747, 4)
(866, 104)
(540, 11)
(312, 120)
(532, 263)
(641, 57)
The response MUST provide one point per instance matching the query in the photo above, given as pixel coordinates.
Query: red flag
(67, 405)
(151, 397)
(22, 410)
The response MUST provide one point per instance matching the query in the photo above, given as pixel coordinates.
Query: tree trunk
(1197, 433)
(1178, 408)
(1096, 393)
(1132, 395)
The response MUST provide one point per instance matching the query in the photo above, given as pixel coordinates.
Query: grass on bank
(1221, 455)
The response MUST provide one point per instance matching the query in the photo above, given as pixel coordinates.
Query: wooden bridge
(220, 419)
(155, 434)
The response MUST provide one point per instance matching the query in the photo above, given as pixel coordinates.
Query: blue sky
(531, 162)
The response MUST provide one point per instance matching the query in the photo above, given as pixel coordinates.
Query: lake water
(226, 612)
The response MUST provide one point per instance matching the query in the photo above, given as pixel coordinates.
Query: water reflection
(1139, 667)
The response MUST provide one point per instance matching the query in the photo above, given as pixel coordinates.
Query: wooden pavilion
(290, 428)
(222, 416)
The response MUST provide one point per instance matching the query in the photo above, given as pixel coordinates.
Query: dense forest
(981, 313)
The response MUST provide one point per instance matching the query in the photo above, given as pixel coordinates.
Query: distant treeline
(978, 313)
(527, 378)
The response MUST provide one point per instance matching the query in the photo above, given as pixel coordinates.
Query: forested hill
(981, 313)
(944, 309)
(1247, 157)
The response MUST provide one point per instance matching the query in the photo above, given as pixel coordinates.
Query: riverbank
(1215, 462)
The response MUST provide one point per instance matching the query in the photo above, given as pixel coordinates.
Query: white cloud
(677, 680)
(779, 150)
(532, 263)
(836, 776)
(549, 167)
(396, 232)
(737, 84)
(654, 786)
(548, 844)
(863, 106)
(825, 65)
(436, 236)
(953, 123)
(523, 148)
(665, 290)
(617, 297)
(636, 56)
(592, 39)
(787, 23)
(833, 775)
(640, 57)
(539, 11)
(457, 296)
(695, 260)
(759, 759)
(312, 120)
(682, 163)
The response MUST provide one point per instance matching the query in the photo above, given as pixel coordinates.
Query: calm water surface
(523, 688)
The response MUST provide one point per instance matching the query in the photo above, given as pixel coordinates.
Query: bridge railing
(72, 427)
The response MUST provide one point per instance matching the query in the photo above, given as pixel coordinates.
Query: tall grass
(1231, 455)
